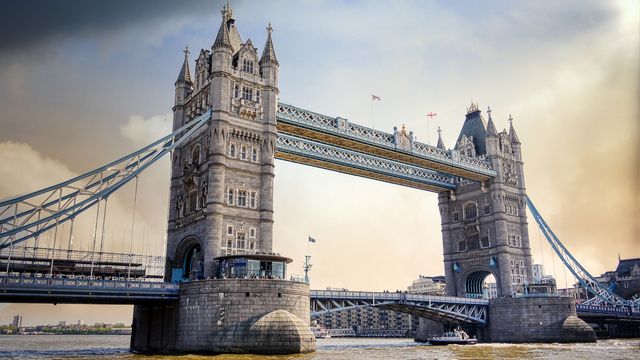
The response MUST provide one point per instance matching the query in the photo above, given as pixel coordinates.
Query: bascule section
(484, 224)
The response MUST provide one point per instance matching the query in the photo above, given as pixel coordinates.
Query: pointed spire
(440, 142)
(269, 53)
(512, 131)
(491, 128)
(223, 40)
(185, 75)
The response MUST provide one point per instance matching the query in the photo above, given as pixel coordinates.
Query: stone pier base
(537, 319)
(427, 329)
(256, 316)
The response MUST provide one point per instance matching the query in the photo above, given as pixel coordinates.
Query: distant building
(17, 321)
(491, 291)
(538, 273)
(369, 320)
(430, 285)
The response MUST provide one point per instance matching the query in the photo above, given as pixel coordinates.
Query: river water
(116, 347)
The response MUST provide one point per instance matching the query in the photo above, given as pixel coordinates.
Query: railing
(609, 310)
(46, 282)
(341, 127)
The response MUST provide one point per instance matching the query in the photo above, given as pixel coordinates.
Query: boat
(319, 331)
(455, 337)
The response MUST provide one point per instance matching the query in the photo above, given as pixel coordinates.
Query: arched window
(470, 211)
(195, 155)
(232, 150)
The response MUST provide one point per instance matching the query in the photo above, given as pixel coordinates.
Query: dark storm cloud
(28, 23)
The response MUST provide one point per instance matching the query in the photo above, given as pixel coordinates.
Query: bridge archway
(473, 283)
(189, 259)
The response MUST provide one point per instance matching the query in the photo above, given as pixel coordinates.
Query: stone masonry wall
(228, 316)
(536, 319)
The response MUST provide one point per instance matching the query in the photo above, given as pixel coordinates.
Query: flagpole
(373, 124)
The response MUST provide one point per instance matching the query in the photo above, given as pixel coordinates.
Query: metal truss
(441, 308)
(27, 216)
(85, 291)
(355, 160)
(343, 128)
(601, 294)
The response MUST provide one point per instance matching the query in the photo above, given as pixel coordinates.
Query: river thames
(116, 347)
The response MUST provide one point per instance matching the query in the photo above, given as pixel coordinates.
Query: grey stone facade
(228, 316)
(537, 319)
(484, 225)
(221, 197)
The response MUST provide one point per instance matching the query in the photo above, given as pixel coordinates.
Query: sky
(87, 82)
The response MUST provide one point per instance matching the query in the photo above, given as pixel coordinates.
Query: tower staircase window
(247, 66)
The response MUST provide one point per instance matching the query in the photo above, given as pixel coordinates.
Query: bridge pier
(529, 319)
(242, 316)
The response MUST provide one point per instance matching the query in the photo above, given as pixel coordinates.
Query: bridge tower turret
(484, 225)
(222, 179)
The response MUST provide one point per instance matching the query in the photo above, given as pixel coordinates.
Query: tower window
(484, 242)
(195, 155)
(247, 66)
(456, 216)
(232, 150)
(462, 245)
(243, 152)
(242, 198)
(252, 200)
(254, 155)
(230, 196)
(229, 243)
(470, 211)
(257, 95)
(487, 209)
(240, 242)
(236, 91)
(247, 93)
(229, 229)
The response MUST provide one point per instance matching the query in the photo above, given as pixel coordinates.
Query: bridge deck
(83, 291)
(341, 133)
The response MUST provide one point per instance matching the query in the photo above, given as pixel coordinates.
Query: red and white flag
(374, 97)
(431, 114)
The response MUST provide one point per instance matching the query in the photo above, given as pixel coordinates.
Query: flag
(312, 240)
(374, 97)
(431, 114)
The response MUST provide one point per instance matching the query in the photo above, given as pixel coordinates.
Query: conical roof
(222, 39)
(269, 53)
(512, 131)
(185, 74)
(491, 127)
(440, 142)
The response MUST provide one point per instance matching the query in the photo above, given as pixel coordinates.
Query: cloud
(49, 22)
(143, 131)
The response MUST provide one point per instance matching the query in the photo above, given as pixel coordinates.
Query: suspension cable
(133, 224)
(95, 233)
(104, 225)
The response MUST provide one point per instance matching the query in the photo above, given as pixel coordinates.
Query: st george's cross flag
(374, 97)
(312, 240)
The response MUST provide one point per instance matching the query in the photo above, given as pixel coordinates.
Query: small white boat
(455, 337)
(320, 332)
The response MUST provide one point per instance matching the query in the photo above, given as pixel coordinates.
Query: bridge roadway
(448, 309)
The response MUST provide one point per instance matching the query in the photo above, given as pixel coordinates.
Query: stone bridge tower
(221, 198)
(484, 225)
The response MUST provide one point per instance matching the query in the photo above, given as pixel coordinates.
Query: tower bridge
(224, 289)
